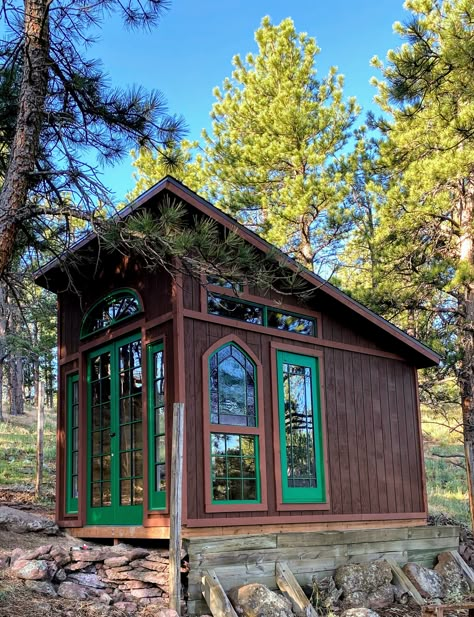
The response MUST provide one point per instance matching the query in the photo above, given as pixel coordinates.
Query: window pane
(220, 281)
(110, 310)
(232, 387)
(291, 323)
(158, 429)
(233, 467)
(299, 433)
(234, 309)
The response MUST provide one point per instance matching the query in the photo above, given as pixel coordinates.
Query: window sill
(285, 507)
(242, 507)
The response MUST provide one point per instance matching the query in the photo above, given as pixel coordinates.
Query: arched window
(232, 385)
(234, 427)
(117, 306)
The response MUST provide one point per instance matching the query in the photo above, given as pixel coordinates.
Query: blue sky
(190, 52)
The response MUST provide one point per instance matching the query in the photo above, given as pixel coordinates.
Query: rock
(60, 556)
(114, 562)
(359, 612)
(126, 607)
(151, 592)
(382, 597)
(35, 553)
(428, 582)
(79, 565)
(4, 560)
(72, 591)
(324, 594)
(36, 570)
(52, 569)
(400, 594)
(15, 555)
(60, 575)
(255, 600)
(166, 612)
(105, 598)
(90, 555)
(44, 587)
(366, 577)
(119, 569)
(356, 599)
(157, 566)
(455, 585)
(154, 603)
(21, 521)
(134, 585)
(88, 580)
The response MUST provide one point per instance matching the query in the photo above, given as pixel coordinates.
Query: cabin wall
(374, 457)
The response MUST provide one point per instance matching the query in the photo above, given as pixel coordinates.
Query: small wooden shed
(299, 416)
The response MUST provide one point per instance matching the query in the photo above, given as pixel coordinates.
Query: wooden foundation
(238, 560)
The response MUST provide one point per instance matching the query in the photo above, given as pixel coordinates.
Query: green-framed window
(114, 308)
(301, 440)
(72, 443)
(260, 314)
(157, 426)
(234, 453)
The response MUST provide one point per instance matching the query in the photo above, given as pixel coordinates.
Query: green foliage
(277, 155)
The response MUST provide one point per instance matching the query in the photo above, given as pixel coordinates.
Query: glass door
(115, 431)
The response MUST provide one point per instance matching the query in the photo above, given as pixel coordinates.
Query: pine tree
(276, 157)
(426, 223)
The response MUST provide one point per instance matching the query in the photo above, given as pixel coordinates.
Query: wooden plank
(222, 544)
(402, 579)
(176, 507)
(467, 571)
(288, 584)
(215, 596)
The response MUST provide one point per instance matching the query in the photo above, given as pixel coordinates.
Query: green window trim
(234, 480)
(88, 329)
(156, 434)
(300, 494)
(261, 317)
(72, 434)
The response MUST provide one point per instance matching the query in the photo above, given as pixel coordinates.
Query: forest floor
(446, 477)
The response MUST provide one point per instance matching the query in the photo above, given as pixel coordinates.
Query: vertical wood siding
(373, 439)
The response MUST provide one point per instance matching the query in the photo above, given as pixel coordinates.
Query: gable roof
(44, 276)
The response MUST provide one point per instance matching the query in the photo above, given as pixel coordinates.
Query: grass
(445, 475)
(18, 453)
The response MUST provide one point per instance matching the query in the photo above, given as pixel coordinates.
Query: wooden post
(40, 439)
(176, 504)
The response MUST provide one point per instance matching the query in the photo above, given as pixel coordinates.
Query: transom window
(117, 306)
(235, 475)
(242, 310)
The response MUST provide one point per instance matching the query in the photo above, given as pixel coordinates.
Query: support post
(176, 505)
(40, 440)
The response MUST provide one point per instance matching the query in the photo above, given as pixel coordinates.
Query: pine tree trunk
(466, 337)
(12, 385)
(19, 176)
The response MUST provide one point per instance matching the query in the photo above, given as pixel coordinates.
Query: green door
(115, 434)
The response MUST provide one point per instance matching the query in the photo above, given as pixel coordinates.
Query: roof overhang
(46, 275)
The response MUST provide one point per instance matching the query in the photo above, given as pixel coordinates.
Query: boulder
(166, 612)
(151, 592)
(366, 577)
(428, 582)
(44, 587)
(157, 566)
(356, 599)
(4, 560)
(36, 570)
(359, 612)
(255, 600)
(455, 585)
(60, 576)
(60, 555)
(88, 580)
(381, 597)
(21, 521)
(72, 591)
(78, 565)
(89, 555)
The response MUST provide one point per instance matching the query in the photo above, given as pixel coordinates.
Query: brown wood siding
(374, 458)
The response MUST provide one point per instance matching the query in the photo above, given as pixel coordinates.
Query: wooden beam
(467, 571)
(405, 583)
(215, 596)
(176, 506)
(290, 587)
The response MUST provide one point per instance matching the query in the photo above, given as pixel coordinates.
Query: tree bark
(466, 335)
(24, 148)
